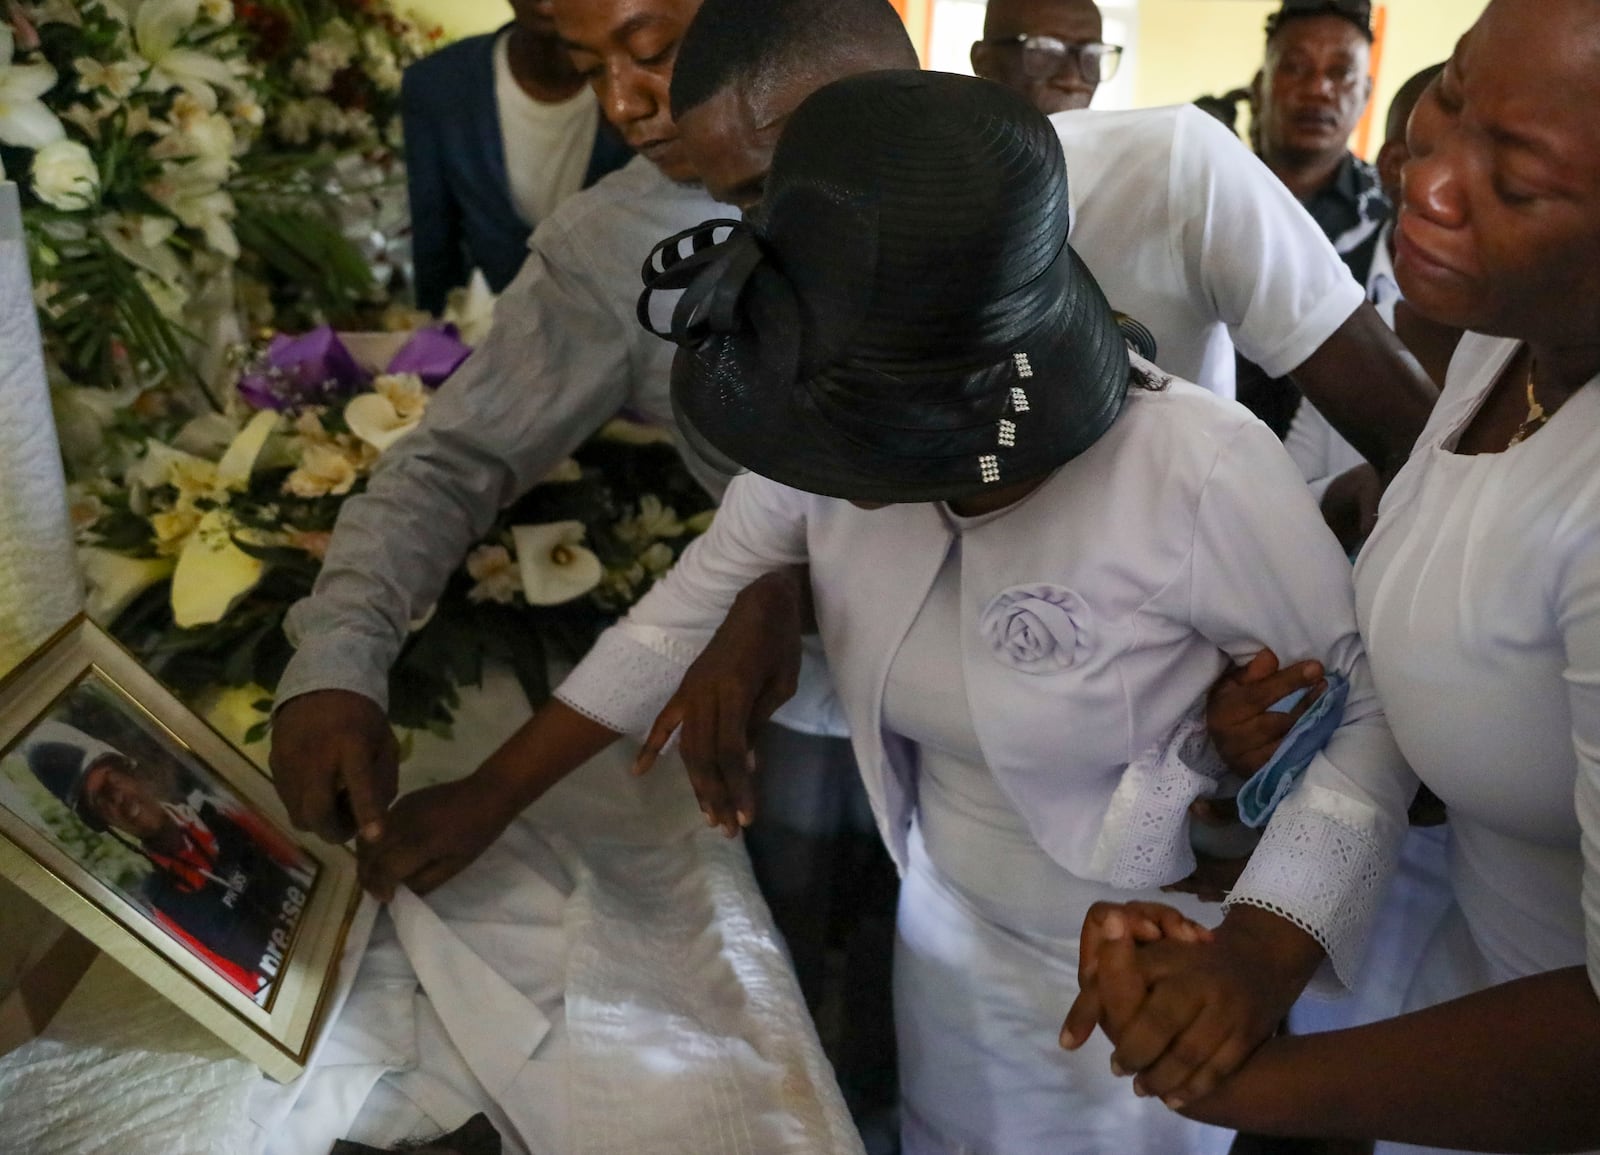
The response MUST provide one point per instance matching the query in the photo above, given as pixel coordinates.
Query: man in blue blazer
(499, 128)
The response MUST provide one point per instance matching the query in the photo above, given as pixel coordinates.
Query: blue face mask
(1268, 786)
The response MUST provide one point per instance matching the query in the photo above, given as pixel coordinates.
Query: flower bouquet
(197, 536)
(332, 72)
(125, 122)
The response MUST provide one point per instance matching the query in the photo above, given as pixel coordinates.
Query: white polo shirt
(1189, 233)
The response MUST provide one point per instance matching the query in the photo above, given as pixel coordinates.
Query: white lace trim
(627, 678)
(1326, 875)
(1144, 841)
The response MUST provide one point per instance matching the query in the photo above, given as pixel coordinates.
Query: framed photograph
(141, 827)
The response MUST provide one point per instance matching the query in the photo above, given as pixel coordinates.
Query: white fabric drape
(39, 585)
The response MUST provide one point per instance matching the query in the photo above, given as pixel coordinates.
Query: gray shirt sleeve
(554, 368)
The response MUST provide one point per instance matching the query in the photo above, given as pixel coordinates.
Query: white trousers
(978, 1009)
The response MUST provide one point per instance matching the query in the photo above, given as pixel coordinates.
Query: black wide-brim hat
(903, 319)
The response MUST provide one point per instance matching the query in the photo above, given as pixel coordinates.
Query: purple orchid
(295, 372)
(432, 354)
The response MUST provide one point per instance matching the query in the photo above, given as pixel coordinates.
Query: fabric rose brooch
(1038, 629)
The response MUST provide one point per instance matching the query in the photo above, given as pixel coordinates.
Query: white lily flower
(191, 193)
(207, 435)
(393, 409)
(206, 137)
(120, 78)
(470, 309)
(325, 468)
(496, 575)
(112, 580)
(556, 568)
(89, 117)
(169, 299)
(141, 123)
(161, 464)
(24, 120)
(142, 241)
(653, 521)
(212, 573)
(158, 26)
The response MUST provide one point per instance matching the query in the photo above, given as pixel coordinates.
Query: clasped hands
(1184, 1006)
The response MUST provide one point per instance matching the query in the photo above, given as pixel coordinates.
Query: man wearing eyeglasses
(1048, 50)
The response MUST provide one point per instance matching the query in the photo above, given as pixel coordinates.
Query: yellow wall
(461, 17)
(1190, 47)
(1185, 47)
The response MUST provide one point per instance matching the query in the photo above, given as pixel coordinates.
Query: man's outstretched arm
(1370, 388)
(552, 371)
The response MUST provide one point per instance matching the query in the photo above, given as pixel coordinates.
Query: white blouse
(1093, 616)
(1479, 598)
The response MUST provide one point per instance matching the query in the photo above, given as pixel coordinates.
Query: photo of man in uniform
(220, 878)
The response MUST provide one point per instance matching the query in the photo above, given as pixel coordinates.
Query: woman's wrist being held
(1276, 951)
(548, 747)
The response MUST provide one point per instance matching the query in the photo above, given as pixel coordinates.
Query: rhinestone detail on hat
(989, 468)
(1019, 399)
(1008, 433)
(1024, 369)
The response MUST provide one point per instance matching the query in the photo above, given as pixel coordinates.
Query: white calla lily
(393, 409)
(112, 580)
(24, 120)
(555, 566)
(158, 26)
(212, 573)
(233, 471)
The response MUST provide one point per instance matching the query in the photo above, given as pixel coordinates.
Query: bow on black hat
(903, 319)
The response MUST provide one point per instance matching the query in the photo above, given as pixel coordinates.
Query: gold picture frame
(130, 818)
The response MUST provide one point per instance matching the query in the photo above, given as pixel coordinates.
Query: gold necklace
(1537, 415)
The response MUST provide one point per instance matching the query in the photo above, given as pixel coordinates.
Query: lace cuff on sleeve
(1144, 841)
(1323, 864)
(628, 677)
